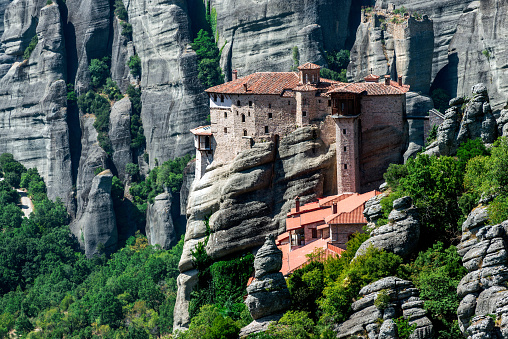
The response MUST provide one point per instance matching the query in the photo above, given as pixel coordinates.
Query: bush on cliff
(209, 71)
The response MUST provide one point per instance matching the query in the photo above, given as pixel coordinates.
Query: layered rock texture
(120, 135)
(474, 121)
(159, 224)
(399, 298)
(400, 235)
(260, 35)
(268, 293)
(249, 197)
(173, 98)
(483, 249)
(96, 228)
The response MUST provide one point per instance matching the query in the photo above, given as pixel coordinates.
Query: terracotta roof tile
(370, 88)
(350, 210)
(259, 83)
(291, 261)
(309, 65)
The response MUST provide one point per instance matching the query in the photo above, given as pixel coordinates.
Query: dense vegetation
(33, 43)
(209, 71)
(48, 289)
(337, 65)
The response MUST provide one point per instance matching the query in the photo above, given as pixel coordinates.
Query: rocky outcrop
(173, 99)
(120, 135)
(33, 112)
(477, 122)
(96, 228)
(159, 224)
(249, 197)
(483, 249)
(375, 319)
(268, 293)
(121, 51)
(396, 45)
(92, 158)
(273, 28)
(188, 176)
(400, 235)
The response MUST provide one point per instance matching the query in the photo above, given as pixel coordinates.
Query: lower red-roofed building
(326, 224)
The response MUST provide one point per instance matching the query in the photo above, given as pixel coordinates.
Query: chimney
(334, 208)
(234, 75)
(297, 201)
(245, 86)
(387, 80)
(400, 80)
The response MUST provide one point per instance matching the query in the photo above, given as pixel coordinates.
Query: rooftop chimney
(334, 208)
(245, 86)
(234, 75)
(400, 80)
(387, 80)
(297, 201)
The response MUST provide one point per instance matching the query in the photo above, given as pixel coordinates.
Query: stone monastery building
(366, 120)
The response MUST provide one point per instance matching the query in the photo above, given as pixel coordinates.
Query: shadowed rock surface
(483, 249)
(96, 228)
(400, 235)
(159, 224)
(249, 197)
(120, 135)
(403, 301)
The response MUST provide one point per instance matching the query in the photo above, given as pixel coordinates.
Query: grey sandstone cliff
(96, 228)
(483, 290)
(248, 198)
(33, 95)
(260, 35)
(120, 135)
(159, 224)
(403, 301)
(173, 99)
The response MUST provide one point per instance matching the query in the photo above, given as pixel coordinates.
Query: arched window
(244, 132)
(243, 117)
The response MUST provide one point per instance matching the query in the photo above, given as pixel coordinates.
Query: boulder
(400, 235)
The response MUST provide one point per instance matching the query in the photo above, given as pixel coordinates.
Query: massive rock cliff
(249, 197)
(173, 99)
(260, 35)
(33, 95)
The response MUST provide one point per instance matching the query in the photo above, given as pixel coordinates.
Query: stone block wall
(347, 134)
(341, 233)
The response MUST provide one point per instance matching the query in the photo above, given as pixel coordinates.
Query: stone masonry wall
(347, 155)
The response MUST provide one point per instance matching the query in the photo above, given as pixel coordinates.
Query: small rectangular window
(343, 131)
(345, 149)
(270, 115)
(250, 103)
(266, 129)
(225, 115)
(225, 130)
(304, 113)
(345, 166)
(269, 105)
(289, 103)
(314, 232)
(329, 103)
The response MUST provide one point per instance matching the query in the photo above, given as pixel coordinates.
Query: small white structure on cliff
(366, 120)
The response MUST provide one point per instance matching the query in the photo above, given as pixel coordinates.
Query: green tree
(209, 71)
(120, 10)
(99, 71)
(135, 65)
(441, 99)
(28, 51)
(137, 136)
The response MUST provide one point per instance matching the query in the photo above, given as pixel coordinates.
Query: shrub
(432, 135)
(71, 95)
(209, 71)
(132, 169)
(210, 324)
(28, 51)
(403, 328)
(135, 66)
(127, 30)
(441, 99)
(296, 59)
(137, 137)
(120, 10)
(99, 71)
(293, 324)
(111, 90)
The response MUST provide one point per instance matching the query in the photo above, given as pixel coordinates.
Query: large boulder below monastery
(249, 197)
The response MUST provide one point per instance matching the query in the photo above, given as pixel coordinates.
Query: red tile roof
(328, 201)
(309, 65)
(350, 210)
(370, 88)
(291, 261)
(371, 77)
(202, 130)
(259, 83)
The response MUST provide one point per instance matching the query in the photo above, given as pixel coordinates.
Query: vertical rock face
(483, 249)
(121, 51)
(120, 135)
(96, 228)
(249, 197)
(403, 301)
(33, 96)
(159, 224)
(260, 35)
(173, 99)
(400, 235)
(268, 293)
(89, 27)
(188, 179)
